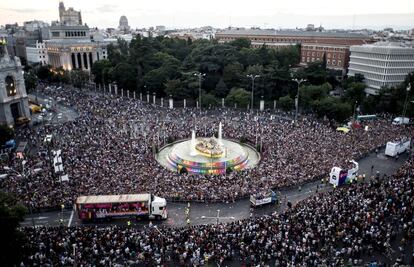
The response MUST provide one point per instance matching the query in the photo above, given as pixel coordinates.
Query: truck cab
(159, 208)
(400, 121)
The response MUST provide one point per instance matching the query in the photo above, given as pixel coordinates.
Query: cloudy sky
(350, 14)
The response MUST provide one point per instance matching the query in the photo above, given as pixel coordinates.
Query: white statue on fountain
(209, 147)
(193, 144)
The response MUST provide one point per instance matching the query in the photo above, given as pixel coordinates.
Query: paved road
(228, 211)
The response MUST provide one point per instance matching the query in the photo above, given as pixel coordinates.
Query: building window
(10, 86)
(55, 34)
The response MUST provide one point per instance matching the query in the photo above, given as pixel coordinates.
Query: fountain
(207, 155)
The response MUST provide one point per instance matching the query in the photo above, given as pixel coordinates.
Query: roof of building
(260, 32)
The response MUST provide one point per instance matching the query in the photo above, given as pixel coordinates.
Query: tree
(12, 240)
(238, 96)
(286, 103)
(310, 93)
(178, 90)
(6, 133)
(100, 70)
(44, 73)
(355, 92)
(233, 75)
(241, 43)
(79, 78)
(30, 80)
(221, 89)
(209, 100)
(332, 108)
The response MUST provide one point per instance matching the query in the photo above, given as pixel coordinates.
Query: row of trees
(166, 66)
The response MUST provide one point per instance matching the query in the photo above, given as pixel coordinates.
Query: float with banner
(339, 176)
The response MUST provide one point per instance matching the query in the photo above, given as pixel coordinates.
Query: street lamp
(298, 81)
(253, 77)
(200, 77)
(406, 99)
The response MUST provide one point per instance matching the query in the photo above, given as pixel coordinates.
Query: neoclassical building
(13, 97)
(70, 47)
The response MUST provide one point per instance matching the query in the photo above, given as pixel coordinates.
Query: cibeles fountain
(207, 155)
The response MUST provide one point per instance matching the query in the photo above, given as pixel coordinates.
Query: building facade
(37, 54)
(13, 97)
(336, 44)
(123, 24)
(336, 56)
(383, 64)
(71, 47)
(69, 17)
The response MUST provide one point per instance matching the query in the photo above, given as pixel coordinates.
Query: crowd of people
(366, 222)
(109, 149)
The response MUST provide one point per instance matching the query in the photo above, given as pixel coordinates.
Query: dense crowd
(109, 149)
(348, 226)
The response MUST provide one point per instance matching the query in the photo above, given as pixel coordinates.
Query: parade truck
(393, 149)
(339, 176)
(104, 207)
(263, 198)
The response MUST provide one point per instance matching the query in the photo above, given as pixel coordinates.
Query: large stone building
(314, 44)
(69, 17)
(37, 54)
(383, 64)
(70, 45)
(123, 25)
(13, 96)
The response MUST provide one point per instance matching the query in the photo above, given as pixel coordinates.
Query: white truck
(115, 206)
(401, 121)
(393, 149)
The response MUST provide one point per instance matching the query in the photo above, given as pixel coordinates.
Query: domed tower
(123, 24)
(13, 97)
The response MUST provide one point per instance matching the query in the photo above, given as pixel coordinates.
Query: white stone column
(110, 89)
(261, 104)
(171, 103)
(162, 102)
(274, 104)
(185, 103)
(128, 93)
(122, 92)
(116, 89)
(140, 96)
(153, 98)
(134, 94)
(76, 61)
(148, 98)
(222, 102)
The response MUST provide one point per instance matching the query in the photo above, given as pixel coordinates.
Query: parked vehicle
(401, 120)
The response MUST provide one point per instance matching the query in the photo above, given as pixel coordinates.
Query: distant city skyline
(354, 14)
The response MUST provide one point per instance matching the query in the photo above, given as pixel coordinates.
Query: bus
(147, 206)
(366, 117)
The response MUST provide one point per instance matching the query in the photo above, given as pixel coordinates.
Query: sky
(349, 14)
